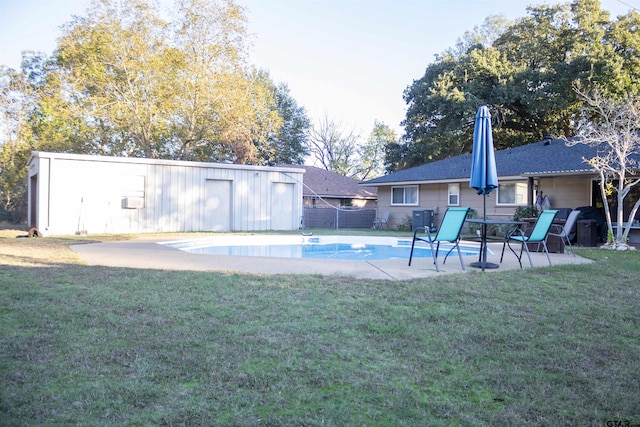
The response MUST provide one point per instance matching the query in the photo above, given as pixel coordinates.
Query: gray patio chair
(564, 232)
(380, 222)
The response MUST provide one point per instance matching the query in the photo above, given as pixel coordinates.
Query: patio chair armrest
(511, 229)
(516, 232)
(426, 230)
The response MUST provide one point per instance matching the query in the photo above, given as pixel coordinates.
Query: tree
(525, 70)
(15, 109)
(291, 143)
(624, 67)
(372, 153)
(483, 35)
(334, 147)
(341, 150)
(123, 81)
(287, 144)
(181, 89)
(615, 133)
(226, 108)
(114, 68)
(20, 92)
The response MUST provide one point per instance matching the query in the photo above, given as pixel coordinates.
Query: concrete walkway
(151, 255)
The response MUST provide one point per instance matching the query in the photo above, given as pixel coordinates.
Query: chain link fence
(338, 218)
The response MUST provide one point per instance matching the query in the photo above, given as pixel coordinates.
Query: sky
(348, 61)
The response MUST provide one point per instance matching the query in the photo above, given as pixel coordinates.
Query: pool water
(322, 247)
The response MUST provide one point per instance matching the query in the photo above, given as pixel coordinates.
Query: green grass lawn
(84, 345)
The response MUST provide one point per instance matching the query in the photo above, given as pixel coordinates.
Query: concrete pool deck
(148, 254)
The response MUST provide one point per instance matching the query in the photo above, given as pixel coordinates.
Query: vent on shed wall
(133, 203)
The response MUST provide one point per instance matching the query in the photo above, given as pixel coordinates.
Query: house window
(512, 193)
(404, 195)
(454, 194)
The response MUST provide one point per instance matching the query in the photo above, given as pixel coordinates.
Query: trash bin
(587, 232)
(422, 218)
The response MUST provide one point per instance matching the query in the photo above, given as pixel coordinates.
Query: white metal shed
(77, 194)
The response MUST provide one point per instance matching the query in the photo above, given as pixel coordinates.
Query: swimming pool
(311, 247)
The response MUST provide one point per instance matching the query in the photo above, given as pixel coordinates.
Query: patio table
(482, 261)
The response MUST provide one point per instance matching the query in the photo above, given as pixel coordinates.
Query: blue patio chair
(538, 235)
(449, 231)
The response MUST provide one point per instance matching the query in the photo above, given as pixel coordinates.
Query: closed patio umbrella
(484, 176)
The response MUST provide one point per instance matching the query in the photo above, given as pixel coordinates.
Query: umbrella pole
(484, 232)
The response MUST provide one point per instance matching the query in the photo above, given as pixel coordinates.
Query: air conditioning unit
(133, 203)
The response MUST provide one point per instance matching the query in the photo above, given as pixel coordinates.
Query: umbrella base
(489, 265)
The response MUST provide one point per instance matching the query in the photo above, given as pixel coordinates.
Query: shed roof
(548, 157)
(147, 161)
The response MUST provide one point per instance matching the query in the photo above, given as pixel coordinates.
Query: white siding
(78, 193)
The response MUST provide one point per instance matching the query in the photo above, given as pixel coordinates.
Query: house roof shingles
(324, 183)
(540, 158)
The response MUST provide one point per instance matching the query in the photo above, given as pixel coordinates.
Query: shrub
(406, 224)
(472, 228)
(525, 212)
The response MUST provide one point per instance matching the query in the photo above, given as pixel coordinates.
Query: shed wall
(94, 194)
